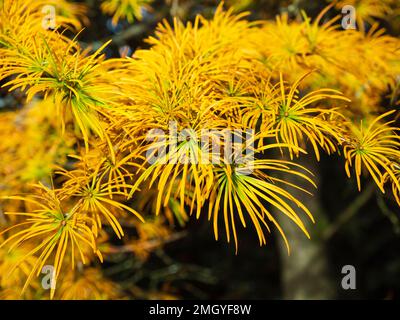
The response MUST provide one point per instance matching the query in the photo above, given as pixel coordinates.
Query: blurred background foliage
(356, 228)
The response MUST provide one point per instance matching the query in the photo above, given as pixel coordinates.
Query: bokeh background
(352, 228)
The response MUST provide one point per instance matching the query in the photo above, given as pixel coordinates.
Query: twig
(349, 212)
(3, 220)
(394, 219)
